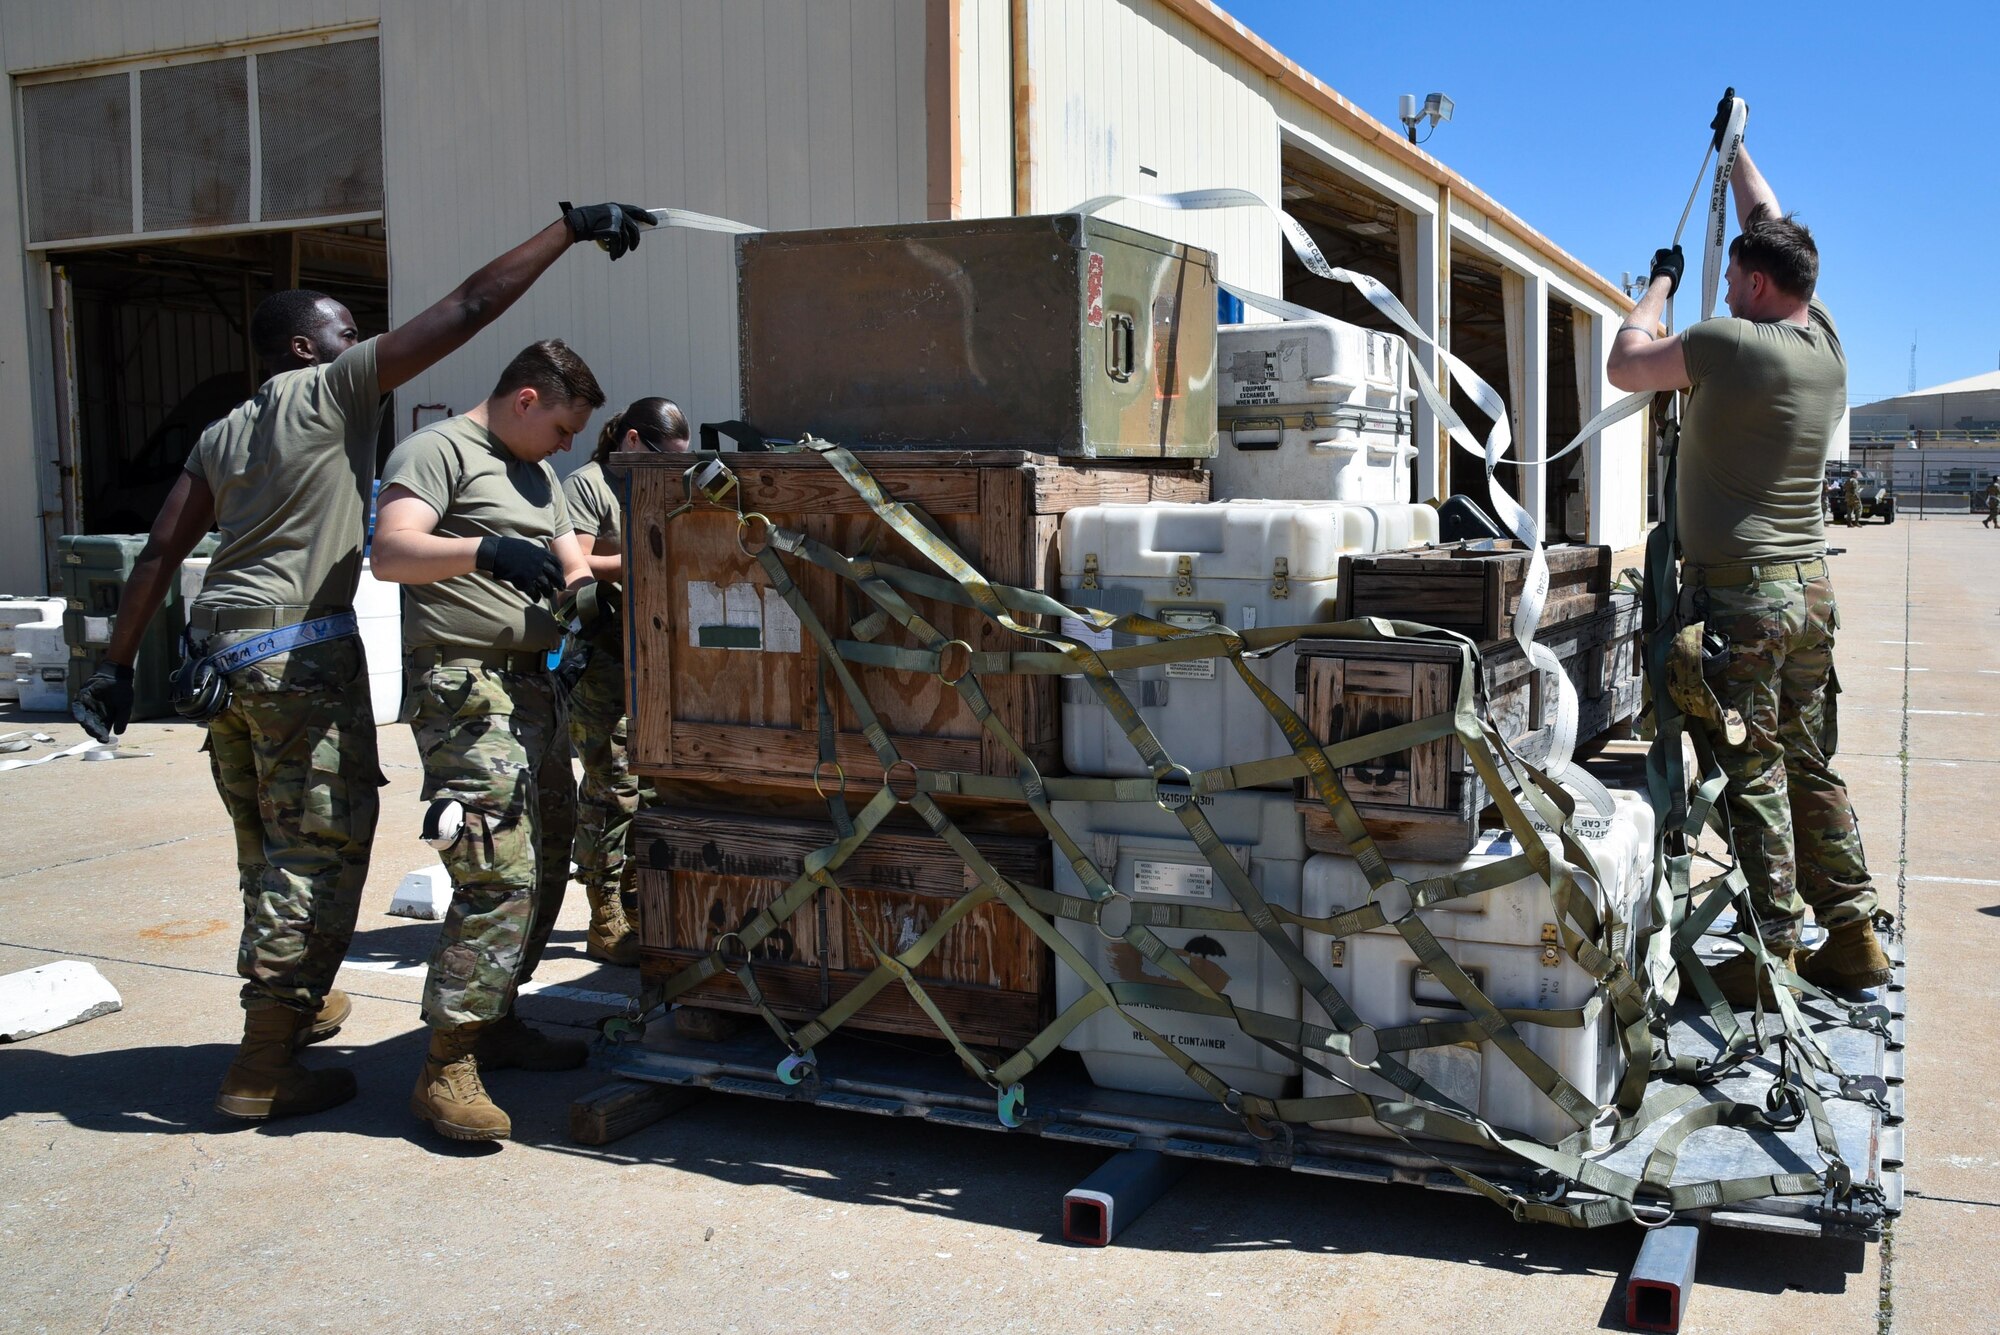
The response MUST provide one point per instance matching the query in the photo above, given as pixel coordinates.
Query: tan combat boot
(1743, 981)
(612, 938)
(449, 1093)
(333, 1012)
(1852, 959)
(266, 1079)
(510, 1043)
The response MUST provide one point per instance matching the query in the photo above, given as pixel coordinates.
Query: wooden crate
(704, 873)
(1473, 588)
(1427, 802)
(725, 685)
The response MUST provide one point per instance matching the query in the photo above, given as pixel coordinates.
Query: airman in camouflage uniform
(1796, 837)
(285, 479)
(610, 794)
(1850, 495)
(1767, 386)
(474, 525)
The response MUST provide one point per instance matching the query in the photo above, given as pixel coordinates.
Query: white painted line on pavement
(1915, 642)
(1951, 713)
(1887, 667)
(1955, 880)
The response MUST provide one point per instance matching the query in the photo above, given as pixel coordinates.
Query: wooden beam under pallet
(617, 1110)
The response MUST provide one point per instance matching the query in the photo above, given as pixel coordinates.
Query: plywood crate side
(1472, 588)
(704, 873)
(1427, 801)
(726, 683)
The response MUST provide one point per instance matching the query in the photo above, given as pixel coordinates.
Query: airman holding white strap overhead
(285, 477)
(1767, 386)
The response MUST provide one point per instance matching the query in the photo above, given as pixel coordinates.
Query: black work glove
(528, 566)
(1721, 121)
(1671, 262)
(103, 704)
(616, 227)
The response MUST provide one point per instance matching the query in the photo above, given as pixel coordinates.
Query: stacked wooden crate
(725, 720)
(991, 374)
(1427, 802)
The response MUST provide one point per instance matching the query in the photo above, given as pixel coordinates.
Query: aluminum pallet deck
(893, 1079)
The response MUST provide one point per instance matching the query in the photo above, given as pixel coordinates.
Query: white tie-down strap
(1561, 737)
(691, 221)
(1718, 207)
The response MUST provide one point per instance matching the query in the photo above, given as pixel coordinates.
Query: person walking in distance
(1767, 385)
(610, 794)
(473, 524)
(1992, 519)
(276, 669)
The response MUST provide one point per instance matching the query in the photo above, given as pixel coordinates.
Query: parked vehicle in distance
(1878, 497)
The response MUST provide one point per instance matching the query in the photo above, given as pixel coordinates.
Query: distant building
(174, 160)
(1967, 409)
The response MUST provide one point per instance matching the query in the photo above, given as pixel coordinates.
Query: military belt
(466, 656)
(228, 620)
(1757, 572)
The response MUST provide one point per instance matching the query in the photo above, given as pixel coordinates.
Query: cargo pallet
(1148, 1134)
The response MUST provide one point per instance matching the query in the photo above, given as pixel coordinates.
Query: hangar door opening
(1356, 228)
(167, 201)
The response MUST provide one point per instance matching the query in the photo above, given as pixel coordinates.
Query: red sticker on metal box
(1094, 291)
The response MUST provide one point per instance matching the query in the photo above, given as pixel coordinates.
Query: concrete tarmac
(127, 1204)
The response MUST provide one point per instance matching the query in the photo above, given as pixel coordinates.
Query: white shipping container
(378, 608)
(1498, 939)
(1313, 410)
(1145, 852)
(16, 612)
(41, 667)
(1240, 564)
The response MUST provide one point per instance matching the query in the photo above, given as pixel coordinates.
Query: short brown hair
(1782, 250)
(554, 371)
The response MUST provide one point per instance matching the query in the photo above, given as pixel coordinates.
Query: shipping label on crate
(1094, 290)
(741, 616)
(1193, 669)
(1084, 633)
(1178, 880)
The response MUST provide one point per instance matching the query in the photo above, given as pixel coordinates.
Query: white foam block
(53, 996)
(425, 893)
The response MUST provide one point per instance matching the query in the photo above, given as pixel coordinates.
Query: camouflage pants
(294, 759)
(609, 795)
(498, 743)
(1794, 828)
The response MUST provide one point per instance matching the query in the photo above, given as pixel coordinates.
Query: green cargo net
(1595, 939)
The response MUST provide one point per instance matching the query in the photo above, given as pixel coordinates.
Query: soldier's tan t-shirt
(593, 508)
(290, 470)
(479, 490)
(1765, 401)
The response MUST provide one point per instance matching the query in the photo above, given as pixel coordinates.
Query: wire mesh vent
(321, 125)
(77, 142)
(194, 128)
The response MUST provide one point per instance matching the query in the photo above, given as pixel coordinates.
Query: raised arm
(1752, 191)
(406, 351)
(1639, 359)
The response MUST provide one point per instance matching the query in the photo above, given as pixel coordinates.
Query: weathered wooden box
(725, 685)
(1473, 588)
(703, 874)
(1426, 802)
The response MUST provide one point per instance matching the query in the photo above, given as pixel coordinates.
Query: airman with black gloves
(278, 672)
(473, 523)
(1767, 387)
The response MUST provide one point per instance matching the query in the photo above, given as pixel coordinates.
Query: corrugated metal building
(177, 158)
(1967, 409)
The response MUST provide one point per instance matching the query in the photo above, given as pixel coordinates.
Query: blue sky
(1877, 124)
